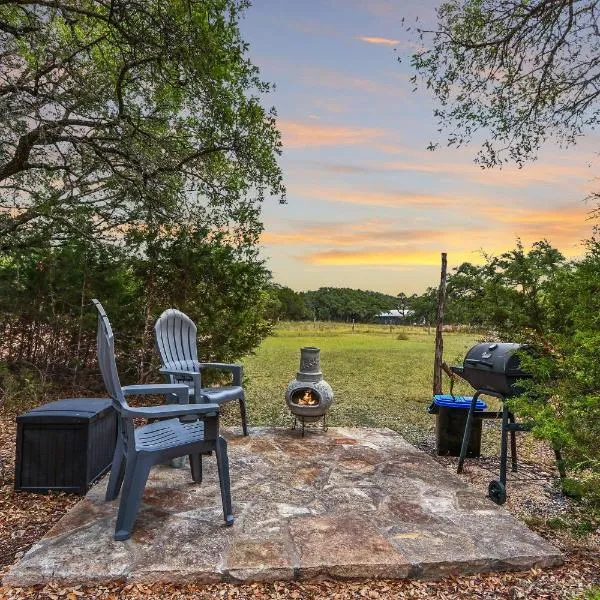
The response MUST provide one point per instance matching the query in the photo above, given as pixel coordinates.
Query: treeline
(331, 304)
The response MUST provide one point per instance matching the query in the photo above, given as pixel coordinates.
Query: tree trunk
(439, 341)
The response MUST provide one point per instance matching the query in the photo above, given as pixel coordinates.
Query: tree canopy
(122, 114)
(134, 157)
(520, 71)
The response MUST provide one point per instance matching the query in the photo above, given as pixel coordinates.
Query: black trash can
(65, 445)
(451, 419)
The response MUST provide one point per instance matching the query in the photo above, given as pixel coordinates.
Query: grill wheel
(497, 492)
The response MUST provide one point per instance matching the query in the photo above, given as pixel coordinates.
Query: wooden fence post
(439, 341)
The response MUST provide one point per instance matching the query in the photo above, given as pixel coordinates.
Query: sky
(368, 206)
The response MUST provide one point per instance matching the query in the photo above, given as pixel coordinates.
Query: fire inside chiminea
(305, 398)
(308, 396)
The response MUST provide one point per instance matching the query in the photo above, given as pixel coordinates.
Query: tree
(522, 71)
(424, 306)
(120, 114)
(345, 304)
(290, 304)
(563, 397)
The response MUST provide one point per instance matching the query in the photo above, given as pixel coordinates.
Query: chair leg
(136, 475)
(196, 467)
(117, 471)
(244, 415)
(223, 466)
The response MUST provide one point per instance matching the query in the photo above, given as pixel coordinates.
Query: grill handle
(477, 361)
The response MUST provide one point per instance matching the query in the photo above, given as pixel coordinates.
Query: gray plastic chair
(180, 429)
(175, 335)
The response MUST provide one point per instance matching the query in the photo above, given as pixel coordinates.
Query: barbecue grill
(494, 369)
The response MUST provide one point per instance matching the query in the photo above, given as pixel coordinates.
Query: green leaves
(145, 107)
(519, 72)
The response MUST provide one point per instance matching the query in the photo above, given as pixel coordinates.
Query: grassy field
(381, 377)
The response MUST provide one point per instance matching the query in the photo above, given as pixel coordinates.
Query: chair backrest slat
(106, 358)
(175, 335)
(110, 375)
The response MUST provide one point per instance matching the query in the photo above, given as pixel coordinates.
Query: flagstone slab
(346, 503)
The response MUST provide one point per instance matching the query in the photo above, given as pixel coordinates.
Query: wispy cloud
(332, 78)
(378, 40)
(392, 198)
(375, 243)
(565, 226)
(555, 174)
(330, 105)
(309, 135)
(375, 258)
(352, 234)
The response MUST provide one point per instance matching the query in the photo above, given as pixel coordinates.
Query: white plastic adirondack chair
(175, 335)
(181, 429)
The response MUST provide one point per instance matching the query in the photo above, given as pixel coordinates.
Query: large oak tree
(130, 114)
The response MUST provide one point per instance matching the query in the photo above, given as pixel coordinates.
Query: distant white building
(394, 316)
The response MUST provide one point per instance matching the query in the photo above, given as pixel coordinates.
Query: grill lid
(494, 367)
(495, 358)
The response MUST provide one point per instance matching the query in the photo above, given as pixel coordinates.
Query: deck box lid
(72, 410)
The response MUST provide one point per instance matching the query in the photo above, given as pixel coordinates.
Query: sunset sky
(369, 206)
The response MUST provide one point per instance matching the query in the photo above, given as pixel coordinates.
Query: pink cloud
(309, 135)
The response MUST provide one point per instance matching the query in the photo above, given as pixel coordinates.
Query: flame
(308, 399)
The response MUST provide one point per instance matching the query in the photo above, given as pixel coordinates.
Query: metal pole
(504, 446)
(439, 341)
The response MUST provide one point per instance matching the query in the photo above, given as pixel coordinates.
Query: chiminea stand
(303, 420)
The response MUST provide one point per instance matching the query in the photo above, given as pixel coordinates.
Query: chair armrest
(174, 371)
(171, 370)
(178, 389)
(173, 410)
(236, 370)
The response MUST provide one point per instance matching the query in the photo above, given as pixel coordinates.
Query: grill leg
(513, 443)
(302, 426)
(467, 433)
(504, 446)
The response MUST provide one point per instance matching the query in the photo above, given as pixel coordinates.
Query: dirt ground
(533, 497)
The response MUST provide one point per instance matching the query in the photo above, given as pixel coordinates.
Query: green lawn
(380, 377)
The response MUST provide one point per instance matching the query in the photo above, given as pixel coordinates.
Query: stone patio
(349, 503)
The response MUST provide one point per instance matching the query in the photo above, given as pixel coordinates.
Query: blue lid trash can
(451, 419)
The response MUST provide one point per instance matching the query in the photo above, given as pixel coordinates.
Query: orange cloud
(310, 135)
(565, 226)
(378, 40)
(349, 234)
(548, 173)
(373, 198)
(375, 244)
(381, 258)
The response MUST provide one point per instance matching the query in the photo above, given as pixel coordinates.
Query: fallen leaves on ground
(25, 518)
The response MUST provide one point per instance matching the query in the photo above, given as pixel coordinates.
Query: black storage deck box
(65, 445)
